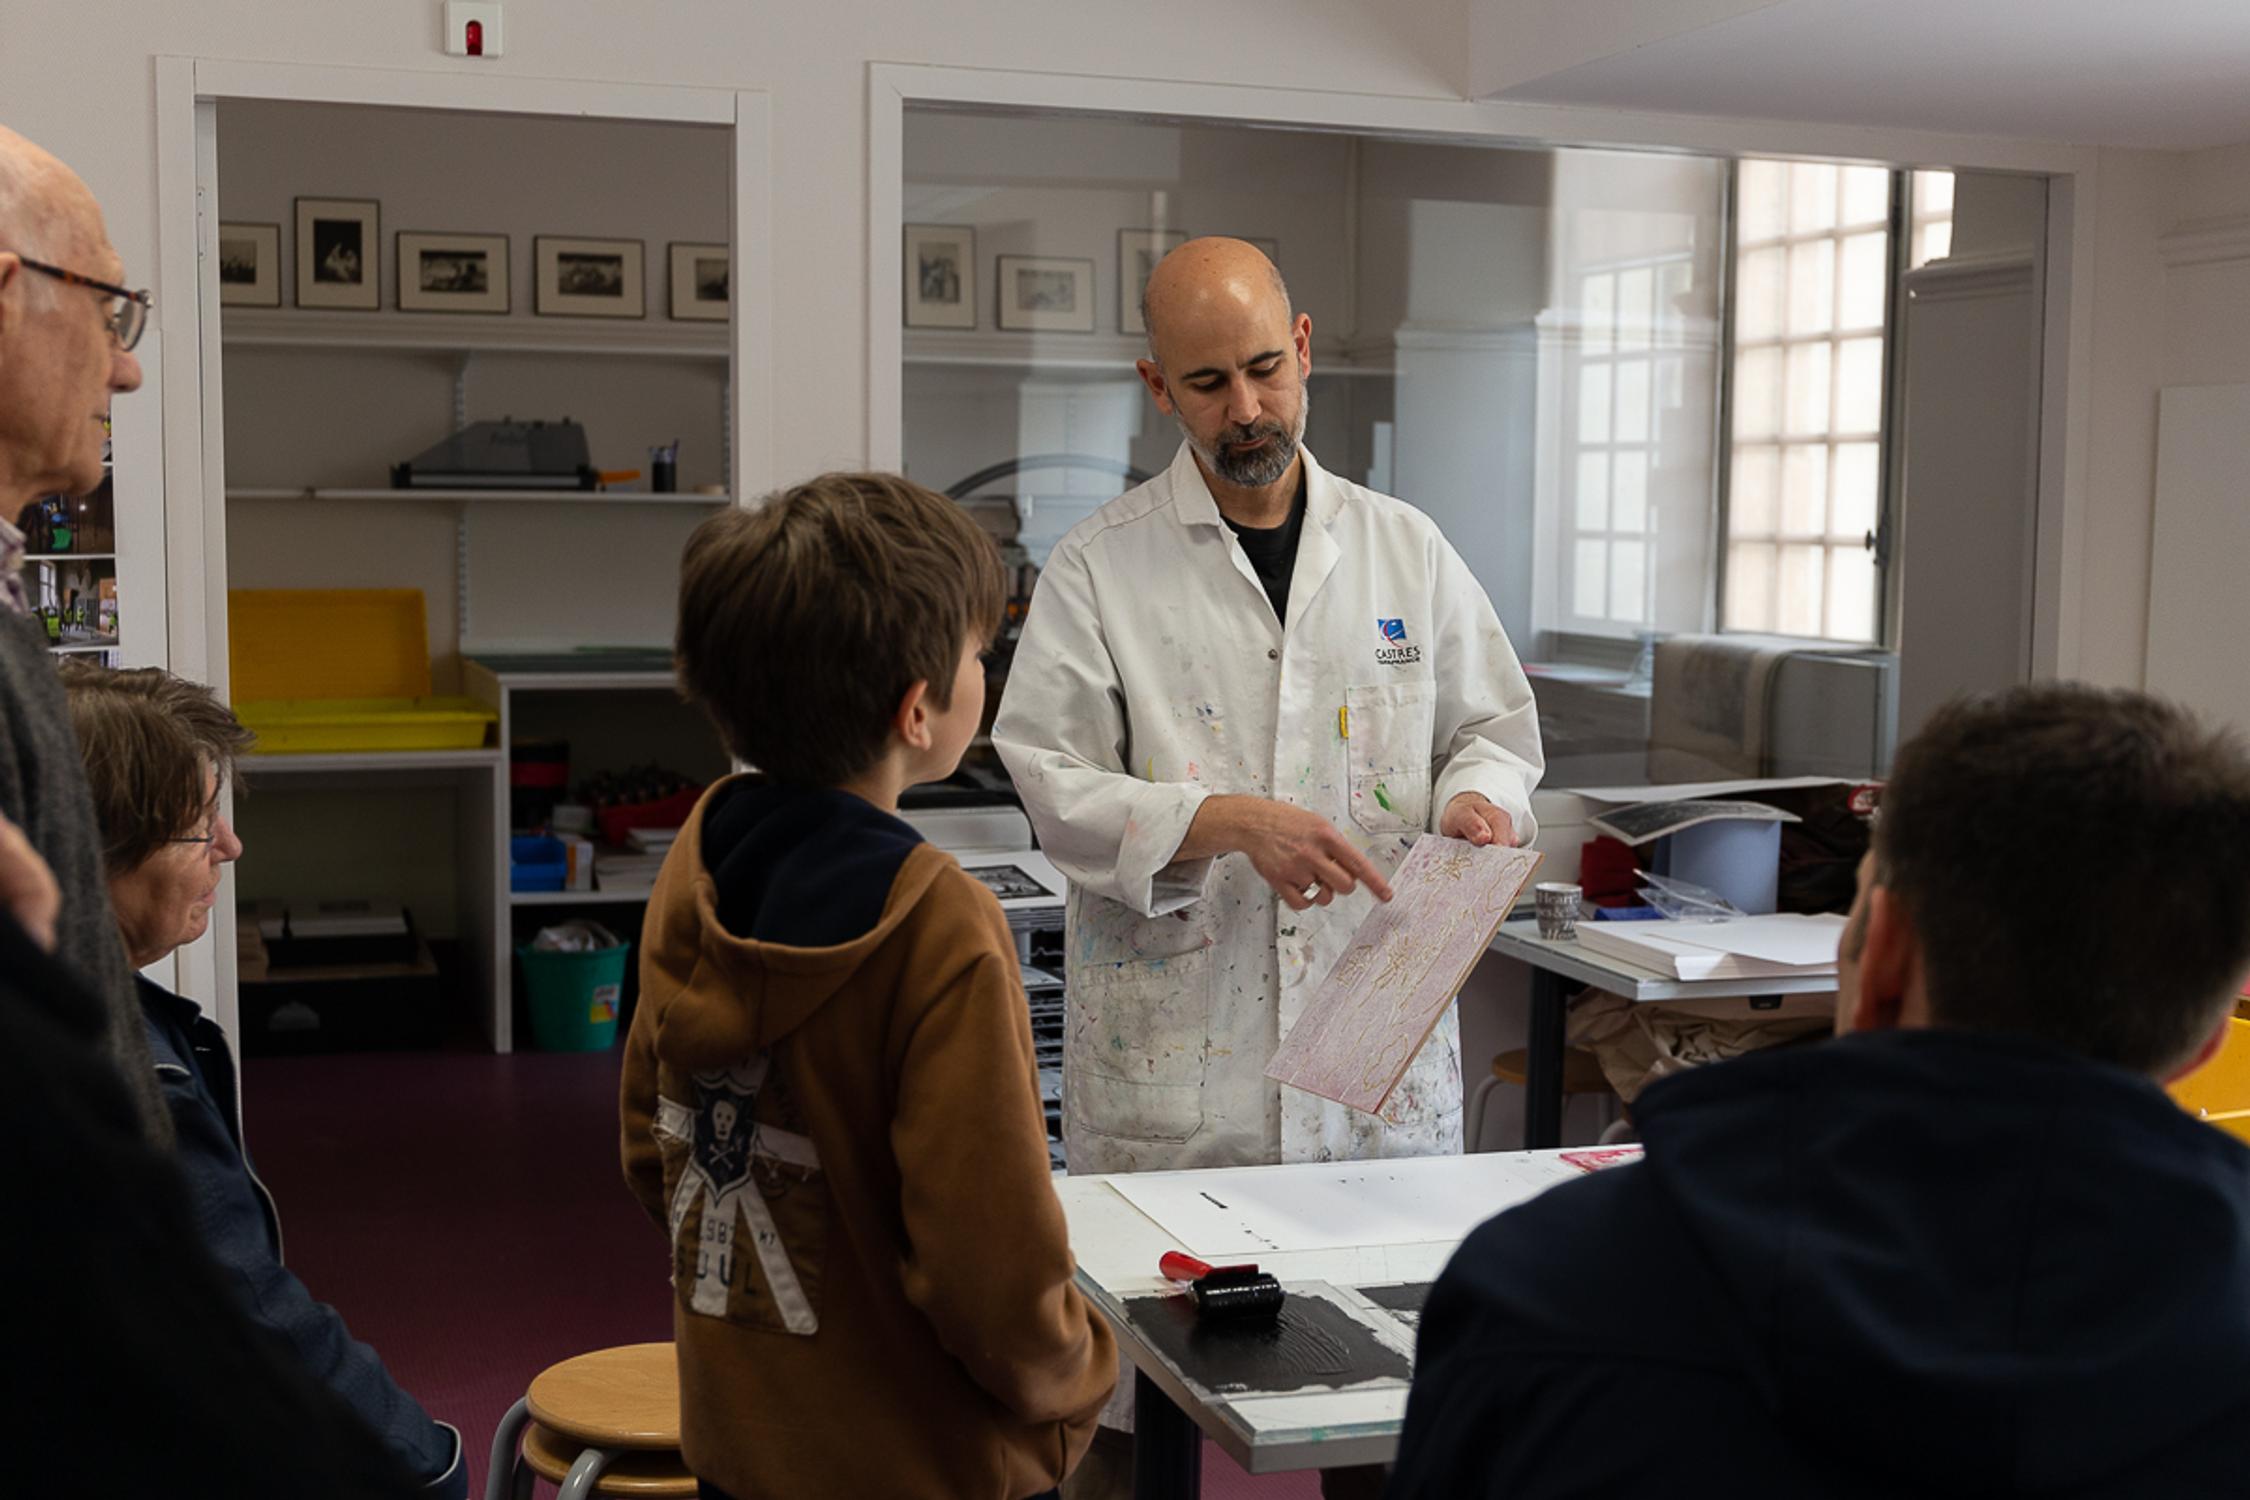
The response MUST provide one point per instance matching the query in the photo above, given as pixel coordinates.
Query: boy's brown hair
(803, 622)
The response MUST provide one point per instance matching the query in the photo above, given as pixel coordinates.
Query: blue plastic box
(537, 863)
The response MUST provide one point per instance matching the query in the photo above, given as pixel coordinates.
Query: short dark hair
(147, 737)
(2076, 864)
(804, 621)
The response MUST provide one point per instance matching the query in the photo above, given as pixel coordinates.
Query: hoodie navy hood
(1923, 1262)
(803, 867)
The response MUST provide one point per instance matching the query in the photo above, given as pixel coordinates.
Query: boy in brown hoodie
(830, 1099)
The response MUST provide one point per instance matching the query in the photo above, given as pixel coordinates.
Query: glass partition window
(1812, 282)
(1628, 381)
(1530, 345)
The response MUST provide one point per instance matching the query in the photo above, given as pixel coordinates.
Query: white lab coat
(1152, 674)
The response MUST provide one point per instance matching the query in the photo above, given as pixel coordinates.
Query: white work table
(1310, 1219)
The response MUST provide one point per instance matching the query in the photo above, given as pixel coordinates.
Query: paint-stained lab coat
(1152, 674)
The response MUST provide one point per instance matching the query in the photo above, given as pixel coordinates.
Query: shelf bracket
(461, 391)
(461, 577)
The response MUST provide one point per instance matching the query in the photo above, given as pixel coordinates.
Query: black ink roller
(1239, 1293)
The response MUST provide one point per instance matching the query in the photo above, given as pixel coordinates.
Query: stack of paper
(1744, 948)
(617, 870)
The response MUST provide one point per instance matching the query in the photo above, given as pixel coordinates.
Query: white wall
(2172, 307)
(92, 102)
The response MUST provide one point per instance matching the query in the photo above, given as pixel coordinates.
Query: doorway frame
(189, 91)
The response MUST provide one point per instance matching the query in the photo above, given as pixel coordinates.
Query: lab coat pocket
(1387, 745)
(1138, 1036)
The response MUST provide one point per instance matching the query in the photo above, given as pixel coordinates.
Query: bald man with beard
(1244, 689)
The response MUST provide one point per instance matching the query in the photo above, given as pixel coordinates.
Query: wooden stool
(605, 1423)
(645, 1471)
(1581, 1074)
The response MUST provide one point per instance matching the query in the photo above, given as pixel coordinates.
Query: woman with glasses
(157, 750)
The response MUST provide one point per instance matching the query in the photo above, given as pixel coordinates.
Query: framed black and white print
(250, 265)
(700, 274)
(339, 253)
(588, 278)
(941, 282)
(1046, 294)
(452, 272)
(1138, 251)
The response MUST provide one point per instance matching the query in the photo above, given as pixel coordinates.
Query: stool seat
(646, 1472)
(627, 1397)
(1581, 1073)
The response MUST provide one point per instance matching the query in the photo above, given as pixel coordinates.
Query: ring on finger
(1310, 892)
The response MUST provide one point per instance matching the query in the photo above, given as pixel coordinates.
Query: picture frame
(700, 277)
(339, 253)
(453, 273)
(1046, 294)
(1138, 251)
(585, 278)
(250, 265)
(940, 264)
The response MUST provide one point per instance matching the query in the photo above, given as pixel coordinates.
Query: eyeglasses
(214, 822)
(126, 319)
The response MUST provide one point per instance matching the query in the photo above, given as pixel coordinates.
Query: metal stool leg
(499, 1478)
(585, 1473)
(1477, 1105)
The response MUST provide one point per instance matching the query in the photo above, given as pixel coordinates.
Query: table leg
(1167, 1448)
(1543, 1062)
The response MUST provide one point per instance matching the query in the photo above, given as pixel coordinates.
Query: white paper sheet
(1629, 794)
(1746, 947)
(1257, 1211)
(1783, 938)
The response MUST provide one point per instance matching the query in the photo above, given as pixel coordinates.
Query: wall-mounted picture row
(1036, 293)
(340, 265)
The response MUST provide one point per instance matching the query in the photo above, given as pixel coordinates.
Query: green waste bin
(573, 996)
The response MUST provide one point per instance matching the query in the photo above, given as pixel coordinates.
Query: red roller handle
(1180, 1266)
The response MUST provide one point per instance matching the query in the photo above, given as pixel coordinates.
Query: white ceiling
(2169, 74)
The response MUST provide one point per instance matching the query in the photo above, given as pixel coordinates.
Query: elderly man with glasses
(66, 334)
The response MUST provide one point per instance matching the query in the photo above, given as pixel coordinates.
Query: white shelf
(578, 898)
(81, 648)
(520, 497)
(441, 333)
(69, 557)
(372, 760)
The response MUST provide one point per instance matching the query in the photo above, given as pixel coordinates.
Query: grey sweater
(43, 791)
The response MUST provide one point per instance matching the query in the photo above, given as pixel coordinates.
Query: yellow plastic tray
(327, 643)
(303, 725)
(2221, 1087)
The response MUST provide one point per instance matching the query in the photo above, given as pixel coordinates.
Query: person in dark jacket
(1970, 1248)
(65, 351)
(157, 748)
(128, 1368)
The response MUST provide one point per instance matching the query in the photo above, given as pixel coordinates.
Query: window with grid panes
(1629, 363)
(1812, 273)
(1930, 216)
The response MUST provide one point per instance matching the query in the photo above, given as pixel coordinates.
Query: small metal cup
(1557, 903)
